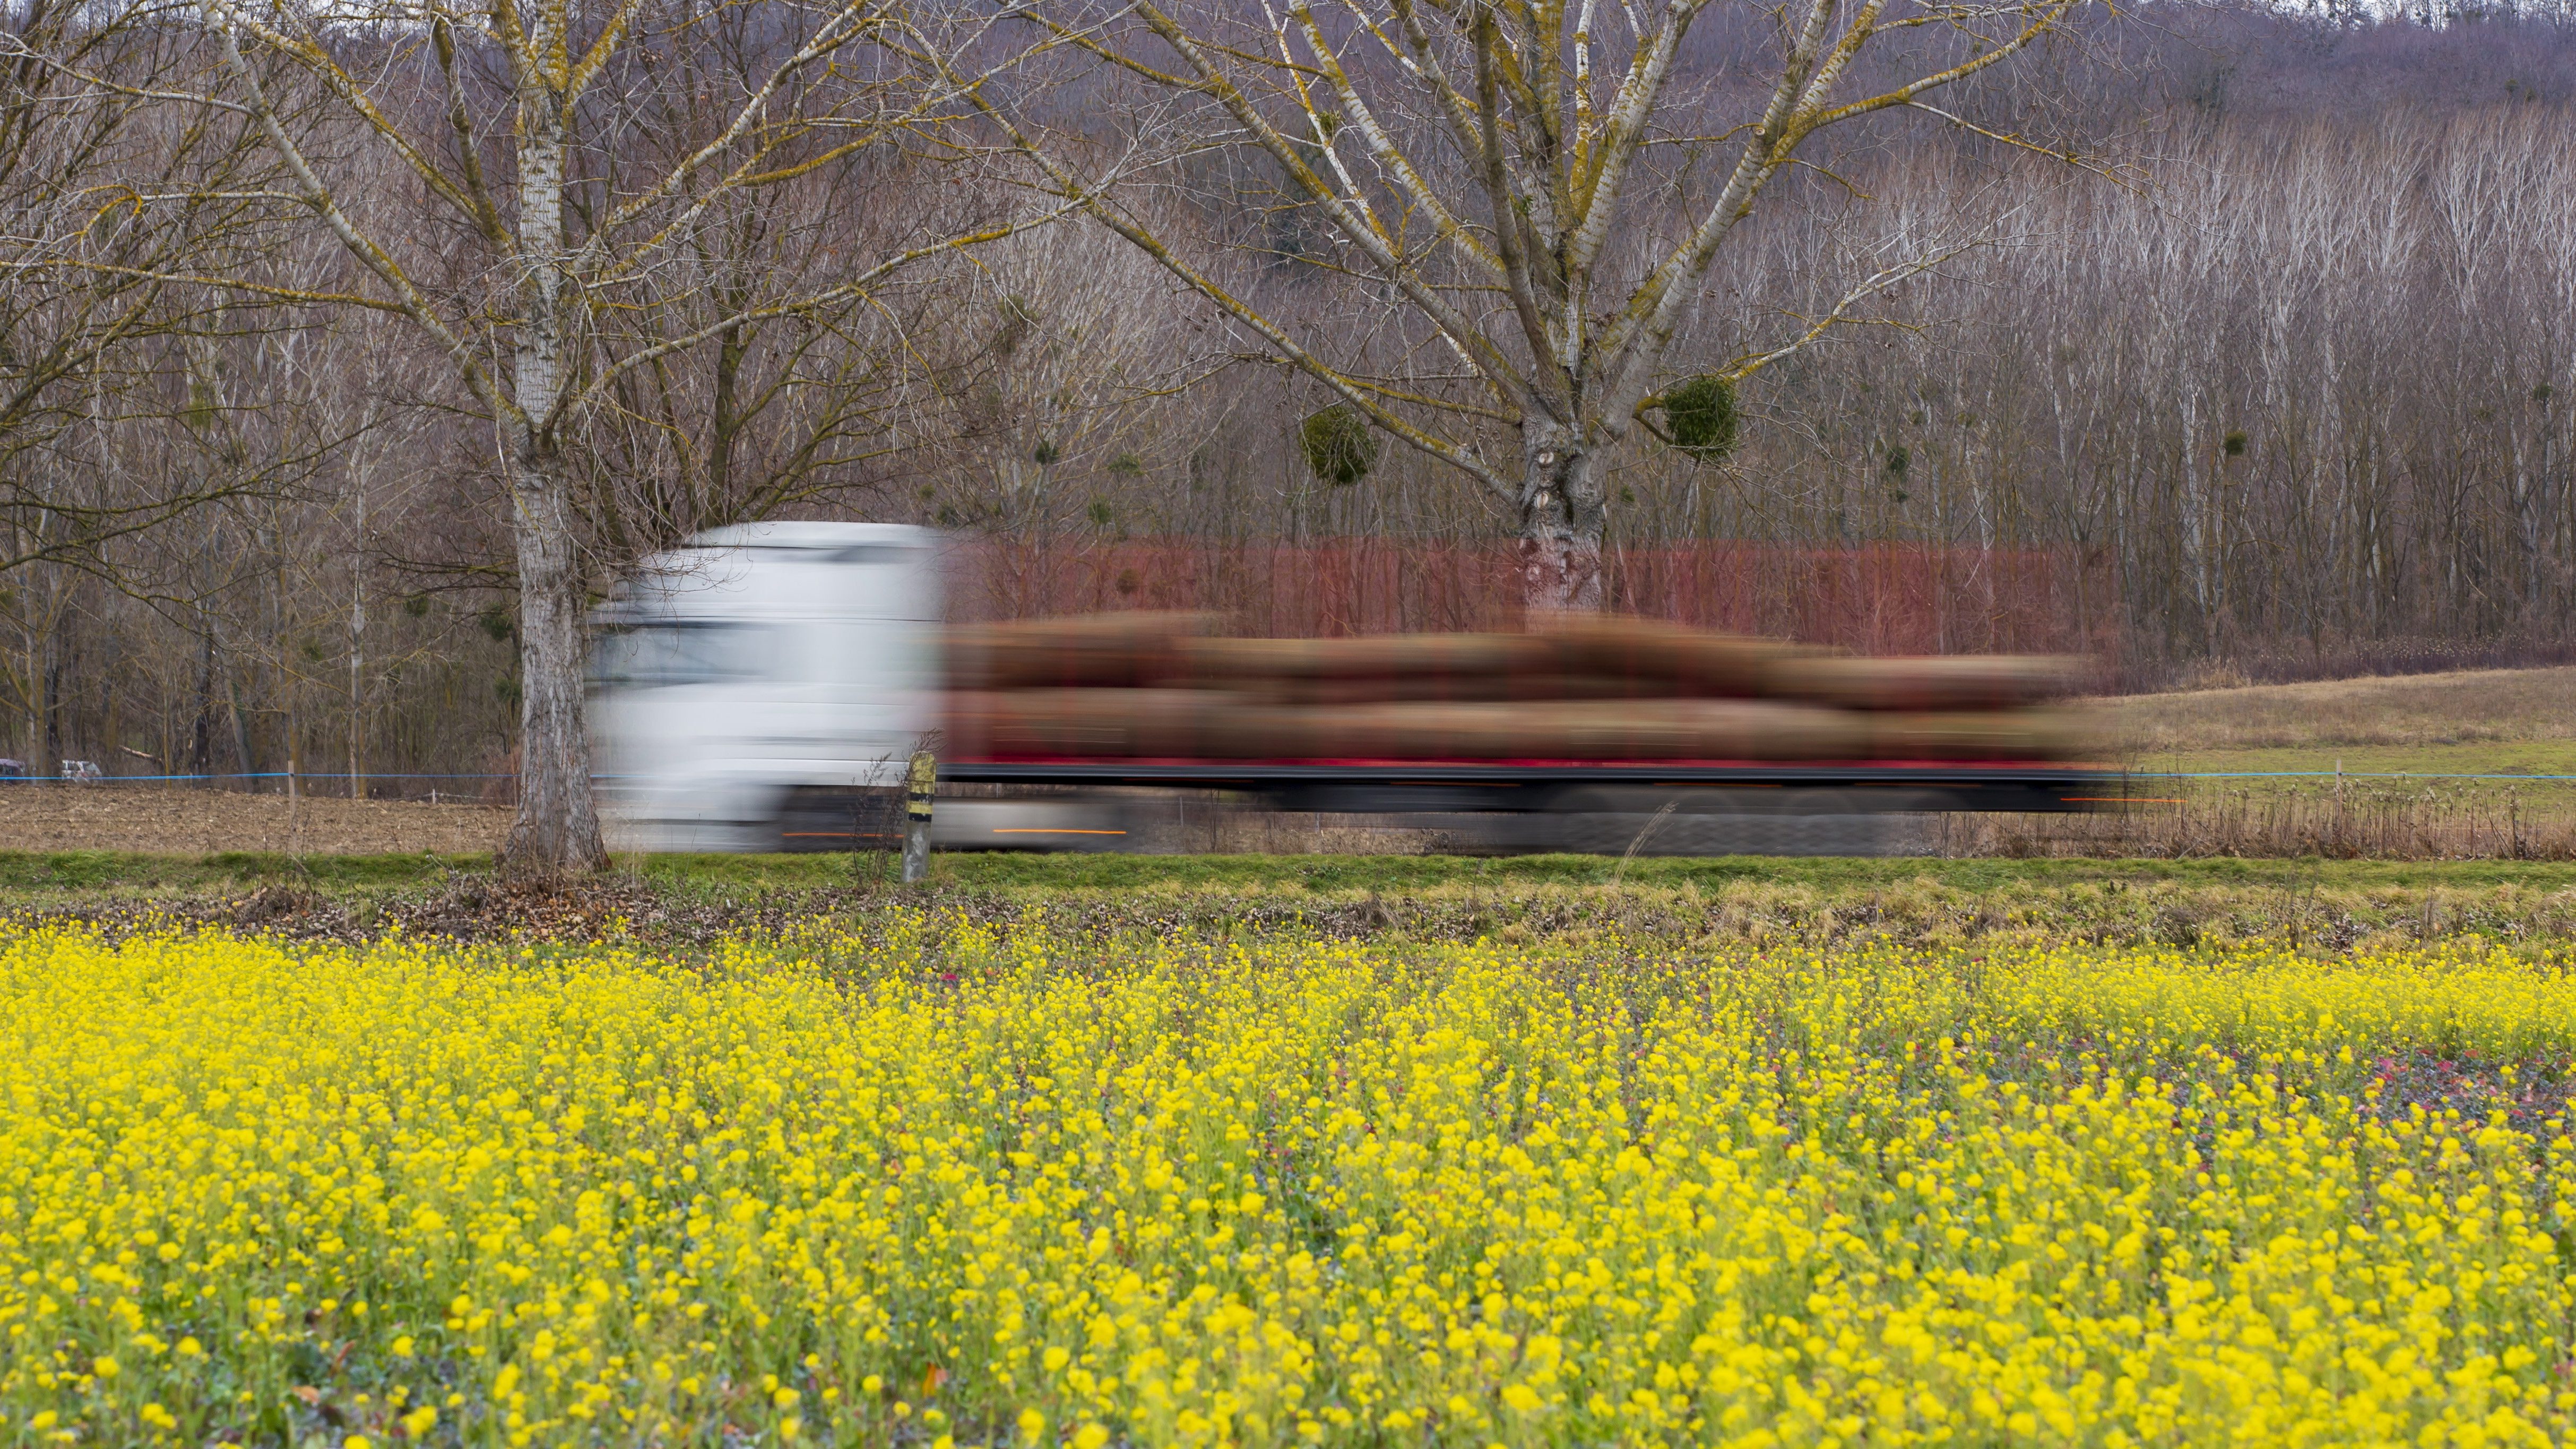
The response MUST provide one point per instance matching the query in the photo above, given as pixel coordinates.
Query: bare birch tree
(540, 250)
(1477, 163)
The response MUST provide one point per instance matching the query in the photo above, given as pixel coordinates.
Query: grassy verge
(1333, 874)
(1932, 903)
(25, 874)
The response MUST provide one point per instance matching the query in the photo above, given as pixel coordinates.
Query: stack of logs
(1576, 687)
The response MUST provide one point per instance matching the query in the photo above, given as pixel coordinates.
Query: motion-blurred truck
(763, 687)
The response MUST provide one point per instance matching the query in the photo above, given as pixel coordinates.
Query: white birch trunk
(557, 828)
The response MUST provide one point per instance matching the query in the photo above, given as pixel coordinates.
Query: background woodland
(2273, 381)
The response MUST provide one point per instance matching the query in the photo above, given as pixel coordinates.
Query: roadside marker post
(918, 792)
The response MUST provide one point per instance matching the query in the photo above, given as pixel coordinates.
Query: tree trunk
(241, 732)
(721, 422)
(201, 742)
(357, 707)
(358, 652)
(1562, 516)
(557, 830)
(50, 761)
(35, 761)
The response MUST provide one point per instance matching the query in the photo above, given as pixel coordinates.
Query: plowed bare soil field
(204, 822)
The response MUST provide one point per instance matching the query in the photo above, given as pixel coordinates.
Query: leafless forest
(2254, 322)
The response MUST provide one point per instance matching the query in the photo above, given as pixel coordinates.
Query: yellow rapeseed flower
(1282, 1191)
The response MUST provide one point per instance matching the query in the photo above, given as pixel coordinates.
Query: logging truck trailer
(763, 688)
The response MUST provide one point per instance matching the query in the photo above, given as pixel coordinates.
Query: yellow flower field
(963, 1187)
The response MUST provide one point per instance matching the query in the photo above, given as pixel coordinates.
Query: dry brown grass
(2258, 819)
(2467, 707)
(2269, 819)
(203, 822)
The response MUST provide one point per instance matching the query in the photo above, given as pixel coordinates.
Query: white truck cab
(757, 666)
